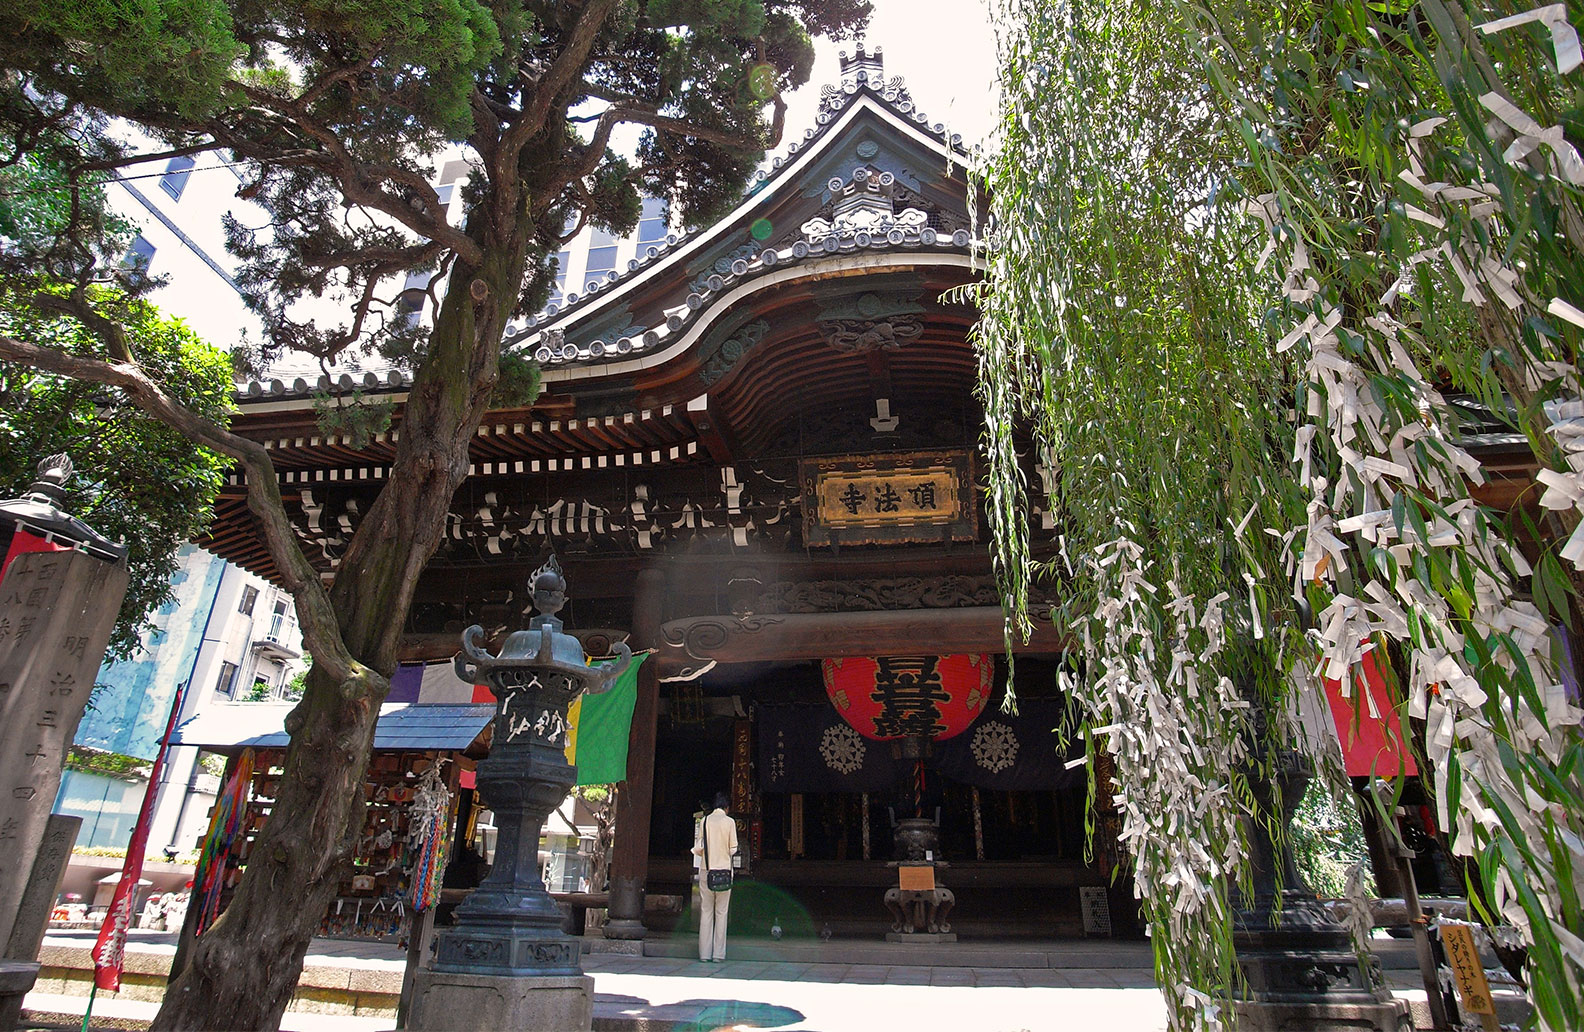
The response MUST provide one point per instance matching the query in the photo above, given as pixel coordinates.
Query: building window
(262, 690)
(249, 596)
(174, 181)
(563, 260)
(139, 256)
(279, 620)
(410, 302)
(227, 682)
(600, 261)
(653, 223)
(409, 307)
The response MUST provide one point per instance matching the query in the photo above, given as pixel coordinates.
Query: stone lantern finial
(53, 473)
(548, 587)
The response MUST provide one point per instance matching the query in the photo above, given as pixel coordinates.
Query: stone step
(965, 954)
(1394, 954)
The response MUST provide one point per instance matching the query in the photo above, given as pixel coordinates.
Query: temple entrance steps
(1050, 954)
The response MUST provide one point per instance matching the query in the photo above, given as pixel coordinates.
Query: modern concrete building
(179, 205)
(229, 635)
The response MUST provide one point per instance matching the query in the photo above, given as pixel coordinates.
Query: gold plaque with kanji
(881, 499)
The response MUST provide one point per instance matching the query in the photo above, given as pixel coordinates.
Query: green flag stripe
(603, 726)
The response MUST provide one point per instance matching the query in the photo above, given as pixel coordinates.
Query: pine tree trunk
(242, 972)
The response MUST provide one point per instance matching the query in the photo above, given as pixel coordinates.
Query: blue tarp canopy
(402, 725)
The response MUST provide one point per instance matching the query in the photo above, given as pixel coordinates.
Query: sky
(945, 51)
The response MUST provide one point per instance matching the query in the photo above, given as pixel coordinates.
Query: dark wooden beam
(688, 644)
(713, 432)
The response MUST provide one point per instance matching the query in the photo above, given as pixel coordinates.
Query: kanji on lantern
(892, 697)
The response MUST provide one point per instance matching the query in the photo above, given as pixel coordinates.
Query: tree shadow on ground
(706, 1015)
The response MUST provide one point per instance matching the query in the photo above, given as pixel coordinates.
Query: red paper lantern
(893, 697)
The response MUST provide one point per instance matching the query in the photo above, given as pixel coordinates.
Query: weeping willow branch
(1421, 214)
(1119, 327)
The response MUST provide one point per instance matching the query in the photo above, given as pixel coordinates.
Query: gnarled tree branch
(321, 630)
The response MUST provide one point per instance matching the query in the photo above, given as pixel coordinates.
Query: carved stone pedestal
(16, 980)
(919, 915)
(544, 1003)
(919, 904)
(1301, 971)
(1303, 976)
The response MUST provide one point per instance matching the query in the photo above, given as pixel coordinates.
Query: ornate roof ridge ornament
(860, 69)
(863, 210)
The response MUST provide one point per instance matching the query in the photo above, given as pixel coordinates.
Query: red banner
(22, 542)
(110, 951)
(1367, 724)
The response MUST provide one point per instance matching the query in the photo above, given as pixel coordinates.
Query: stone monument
(57, 609)
(507, 963)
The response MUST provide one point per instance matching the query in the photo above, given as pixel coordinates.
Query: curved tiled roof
(395, 379)
(552, 350)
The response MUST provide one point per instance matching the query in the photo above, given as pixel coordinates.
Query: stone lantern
(507, 963)
(1298, 964)
(41, 512)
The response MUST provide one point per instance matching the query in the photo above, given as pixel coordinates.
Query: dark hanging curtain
(811, 749)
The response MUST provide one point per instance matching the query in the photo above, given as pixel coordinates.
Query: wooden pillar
(1382, 856)
(635, 796)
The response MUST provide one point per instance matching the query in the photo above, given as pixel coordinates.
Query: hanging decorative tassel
(428, 819)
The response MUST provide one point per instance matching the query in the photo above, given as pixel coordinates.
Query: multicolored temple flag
(598, 728)
(110, 951)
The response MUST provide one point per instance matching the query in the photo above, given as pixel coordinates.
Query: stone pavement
(839, 986)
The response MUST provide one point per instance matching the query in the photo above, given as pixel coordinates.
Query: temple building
(756, 454)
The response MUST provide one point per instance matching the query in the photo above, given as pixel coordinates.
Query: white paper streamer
(1564, 38)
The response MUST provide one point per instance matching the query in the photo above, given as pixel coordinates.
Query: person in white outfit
(715, 844)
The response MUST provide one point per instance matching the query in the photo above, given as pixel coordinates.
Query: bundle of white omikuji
(1180, 822)
(1150, 728)
(1442, 687)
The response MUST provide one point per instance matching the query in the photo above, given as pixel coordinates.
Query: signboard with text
(888, 499)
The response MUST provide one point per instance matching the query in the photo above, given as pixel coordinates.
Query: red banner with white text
(110, 951)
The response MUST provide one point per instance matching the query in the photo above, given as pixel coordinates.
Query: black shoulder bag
(718, 881)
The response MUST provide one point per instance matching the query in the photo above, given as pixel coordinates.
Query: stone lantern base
(529, 1003)
(1311, 989)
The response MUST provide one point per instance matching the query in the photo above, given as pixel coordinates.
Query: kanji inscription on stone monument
(59, 609)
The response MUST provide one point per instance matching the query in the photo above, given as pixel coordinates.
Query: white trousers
(712, 922)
